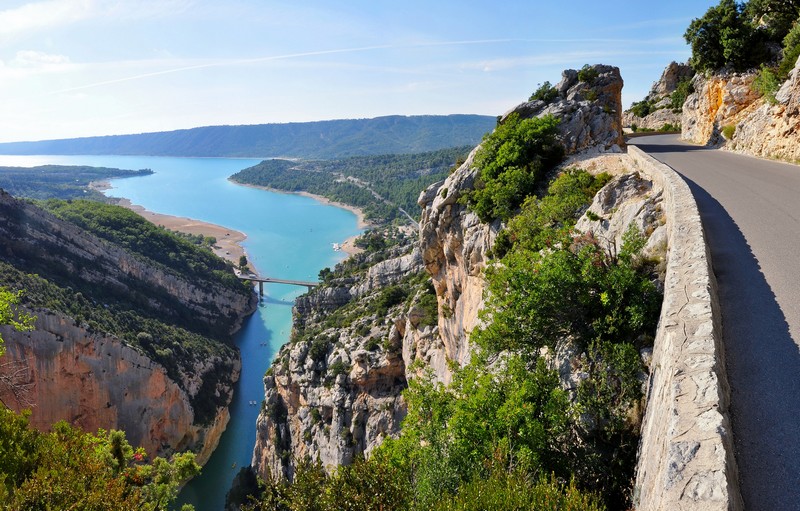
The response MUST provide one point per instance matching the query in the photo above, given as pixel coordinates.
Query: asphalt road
(751, 214)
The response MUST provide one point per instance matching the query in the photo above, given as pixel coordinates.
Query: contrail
(278, 57)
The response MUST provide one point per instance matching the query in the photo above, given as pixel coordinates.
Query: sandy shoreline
(229, 241)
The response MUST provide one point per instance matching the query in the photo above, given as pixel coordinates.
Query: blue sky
(73, 68)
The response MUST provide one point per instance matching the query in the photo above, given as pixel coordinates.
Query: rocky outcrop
(718, 101)
(660, 100)
(334, 391)
(772, 130)
(589, 108)
(453, 240)
(71, 368)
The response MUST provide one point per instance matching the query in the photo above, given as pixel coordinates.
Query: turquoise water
(288, 236)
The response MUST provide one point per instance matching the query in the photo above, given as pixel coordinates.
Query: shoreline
(229, 241)
(348, 245)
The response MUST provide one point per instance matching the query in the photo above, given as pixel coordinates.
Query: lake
(288, 237)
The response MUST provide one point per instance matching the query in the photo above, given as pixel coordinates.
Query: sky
(73, 68)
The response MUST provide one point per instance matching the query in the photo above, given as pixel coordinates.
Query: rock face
(660, 97)
(589, 110)
(72, 370)
(718, 101)
(95, 381)
(454, 242)
(333, 392)
(772, 131)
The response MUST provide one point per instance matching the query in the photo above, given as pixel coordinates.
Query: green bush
(511, 161)
(588, 74)
(641, 108)
(791, 51)
(66, 468)
(681, 92)
(728, 131)
(767, 84)
(545, 92)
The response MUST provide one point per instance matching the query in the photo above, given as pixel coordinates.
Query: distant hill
(323, 139)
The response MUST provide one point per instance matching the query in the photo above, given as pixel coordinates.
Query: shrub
(337, 368)
(791, 52)
(728, 131)
(511, 161)
(767, 84)
(545, 92)
(681, 92)
(669, 127)
(641, 108)
(588, 74)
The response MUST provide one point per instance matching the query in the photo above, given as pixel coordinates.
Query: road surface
(751, 214)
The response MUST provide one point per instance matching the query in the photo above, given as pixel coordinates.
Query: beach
(228, 244)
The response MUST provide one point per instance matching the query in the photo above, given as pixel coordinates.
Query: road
(751, 214)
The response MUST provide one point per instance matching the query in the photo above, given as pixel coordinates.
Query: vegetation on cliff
(506, 426)
(396, 179)
(59, 181)
(744, 36)
(68, 469)
(512, 160)
(12, 315)
(157, 245)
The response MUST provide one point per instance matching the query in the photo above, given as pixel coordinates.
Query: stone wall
(686, 459)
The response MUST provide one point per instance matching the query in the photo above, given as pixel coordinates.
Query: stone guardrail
(686, 459)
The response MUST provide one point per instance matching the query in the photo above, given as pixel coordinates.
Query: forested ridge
(397, 179)
(321, 139)
(60, 181)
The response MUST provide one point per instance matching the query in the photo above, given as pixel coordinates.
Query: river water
(288, 236)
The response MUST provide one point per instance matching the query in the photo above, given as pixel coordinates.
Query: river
(288, 236)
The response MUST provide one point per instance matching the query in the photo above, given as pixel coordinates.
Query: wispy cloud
(32, 58)
(488, 65)
(47, 14)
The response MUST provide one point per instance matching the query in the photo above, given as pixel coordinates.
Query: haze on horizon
(73, 68)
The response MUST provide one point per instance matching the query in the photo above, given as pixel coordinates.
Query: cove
(288, 237)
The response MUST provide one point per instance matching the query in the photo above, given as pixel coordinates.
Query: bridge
(269, 280)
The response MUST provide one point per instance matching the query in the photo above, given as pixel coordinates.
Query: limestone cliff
(659, 100)
(772, 130)
(755, 125)
(95, 381)
(334, 391)
(103, 353)
(718, 101)
(453, 240)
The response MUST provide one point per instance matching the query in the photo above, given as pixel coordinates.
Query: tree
(724, 37)
(68, 469)
(11, 315)
(243, 262)
(777, 16)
